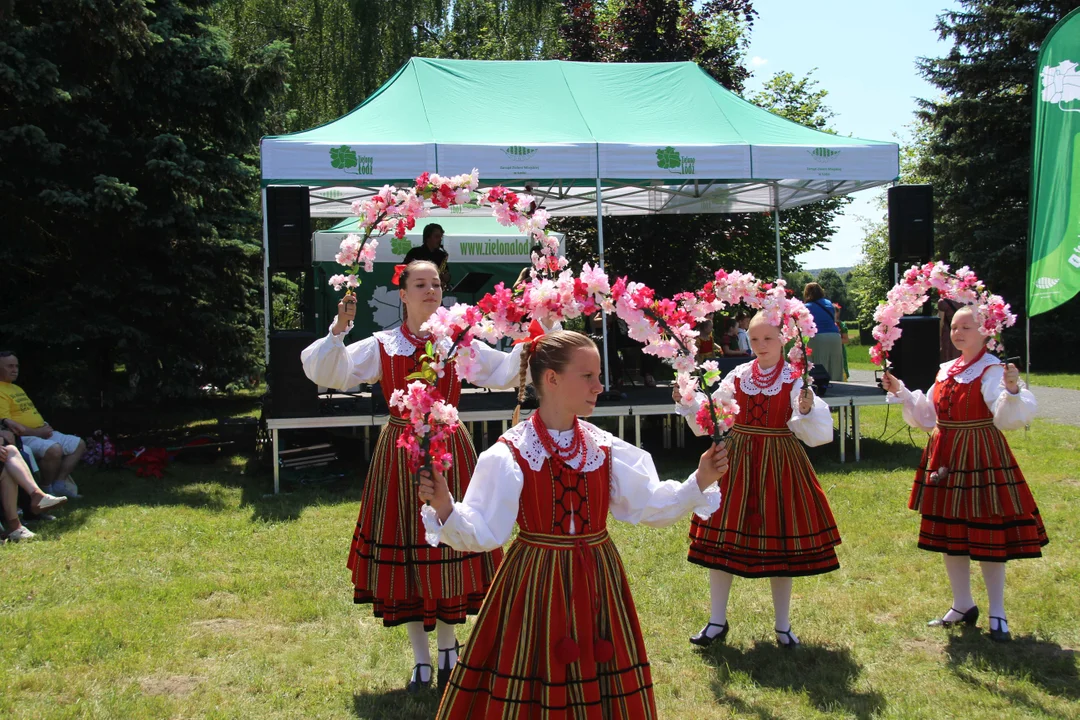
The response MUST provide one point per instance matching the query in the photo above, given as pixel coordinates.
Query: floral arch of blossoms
(552, 293)
(992, 314)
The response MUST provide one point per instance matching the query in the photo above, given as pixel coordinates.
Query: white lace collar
(525, 440)
(972, 372)
(743, 373)
(395, 343)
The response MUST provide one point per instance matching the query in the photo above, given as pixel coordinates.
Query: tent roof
(663, 137)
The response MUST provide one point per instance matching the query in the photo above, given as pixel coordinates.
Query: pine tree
(978, 153)
(128, 133)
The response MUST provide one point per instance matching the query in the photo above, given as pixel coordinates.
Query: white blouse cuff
(901, 396)
(339, 339)
(432, 527)
(707, 500)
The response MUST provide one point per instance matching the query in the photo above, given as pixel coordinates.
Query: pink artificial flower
(595, 280)
(877, 355)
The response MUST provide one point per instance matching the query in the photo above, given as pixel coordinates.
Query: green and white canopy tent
(584, 138)
(604, 138)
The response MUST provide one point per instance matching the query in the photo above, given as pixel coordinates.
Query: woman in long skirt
(406, 581)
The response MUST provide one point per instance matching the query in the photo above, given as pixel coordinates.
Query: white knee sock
(781, 600)
(994, 576)
(421, 651)
(447, 644)
(719, 592)
(958, 568)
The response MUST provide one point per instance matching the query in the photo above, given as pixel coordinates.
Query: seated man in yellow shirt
(57, 454)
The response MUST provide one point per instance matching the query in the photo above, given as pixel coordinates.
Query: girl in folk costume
(558, 636)
(775, 521)
(407, 582)
(974, 502)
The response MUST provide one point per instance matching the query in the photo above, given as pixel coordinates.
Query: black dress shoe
(967, 618)
(997, 634)
(703, 639)
(444, 673)
(791, 643)
(415, 683)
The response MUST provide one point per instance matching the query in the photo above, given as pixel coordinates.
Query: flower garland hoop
(553, 293)
(992, 313)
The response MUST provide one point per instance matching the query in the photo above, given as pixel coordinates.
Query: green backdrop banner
(1054, 241)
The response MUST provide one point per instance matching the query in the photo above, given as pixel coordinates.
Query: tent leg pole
(266, 286)
(1027, 332)
(776, 226)
(600, 243)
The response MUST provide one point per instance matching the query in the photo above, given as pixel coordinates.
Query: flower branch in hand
(992, 313)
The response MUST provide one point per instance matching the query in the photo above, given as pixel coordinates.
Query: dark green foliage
(834, 287)
(675, 253)
(978, 155)
(128, 134)
(344, 50)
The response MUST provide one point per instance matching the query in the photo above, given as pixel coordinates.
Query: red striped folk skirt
(775, 520)
(558, 637)
(393, 568)
(983, 508)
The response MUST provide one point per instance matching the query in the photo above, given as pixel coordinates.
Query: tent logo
(517, 152)
(1061, 84)
(673, 161)
(345, 158)
(821, 153)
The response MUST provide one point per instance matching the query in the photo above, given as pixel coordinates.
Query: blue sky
(865, 53)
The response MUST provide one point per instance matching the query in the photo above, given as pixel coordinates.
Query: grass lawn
(199, 596)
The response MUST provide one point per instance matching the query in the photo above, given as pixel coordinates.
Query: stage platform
(483, 406)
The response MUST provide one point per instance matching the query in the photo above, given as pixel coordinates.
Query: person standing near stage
(432, 250)
(826, 347)
(408, 582)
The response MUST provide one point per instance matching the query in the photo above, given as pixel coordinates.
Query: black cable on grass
(911, 438)
(888, 408)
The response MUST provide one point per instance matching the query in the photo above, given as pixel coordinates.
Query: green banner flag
(1054, 239)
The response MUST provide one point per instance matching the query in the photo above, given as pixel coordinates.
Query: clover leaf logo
(342, 157)
(668, 158)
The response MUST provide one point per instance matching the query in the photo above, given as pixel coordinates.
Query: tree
(671, 253)
(128, 134)
(978, 151)
(871, 279)
(344, 50)
(834, 287)
(796, 280)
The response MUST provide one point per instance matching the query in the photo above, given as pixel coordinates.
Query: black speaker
(914, 357)
(292, 393)
(911, 224)
(288, 228)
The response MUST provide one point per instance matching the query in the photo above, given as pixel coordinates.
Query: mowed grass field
(201, 596)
